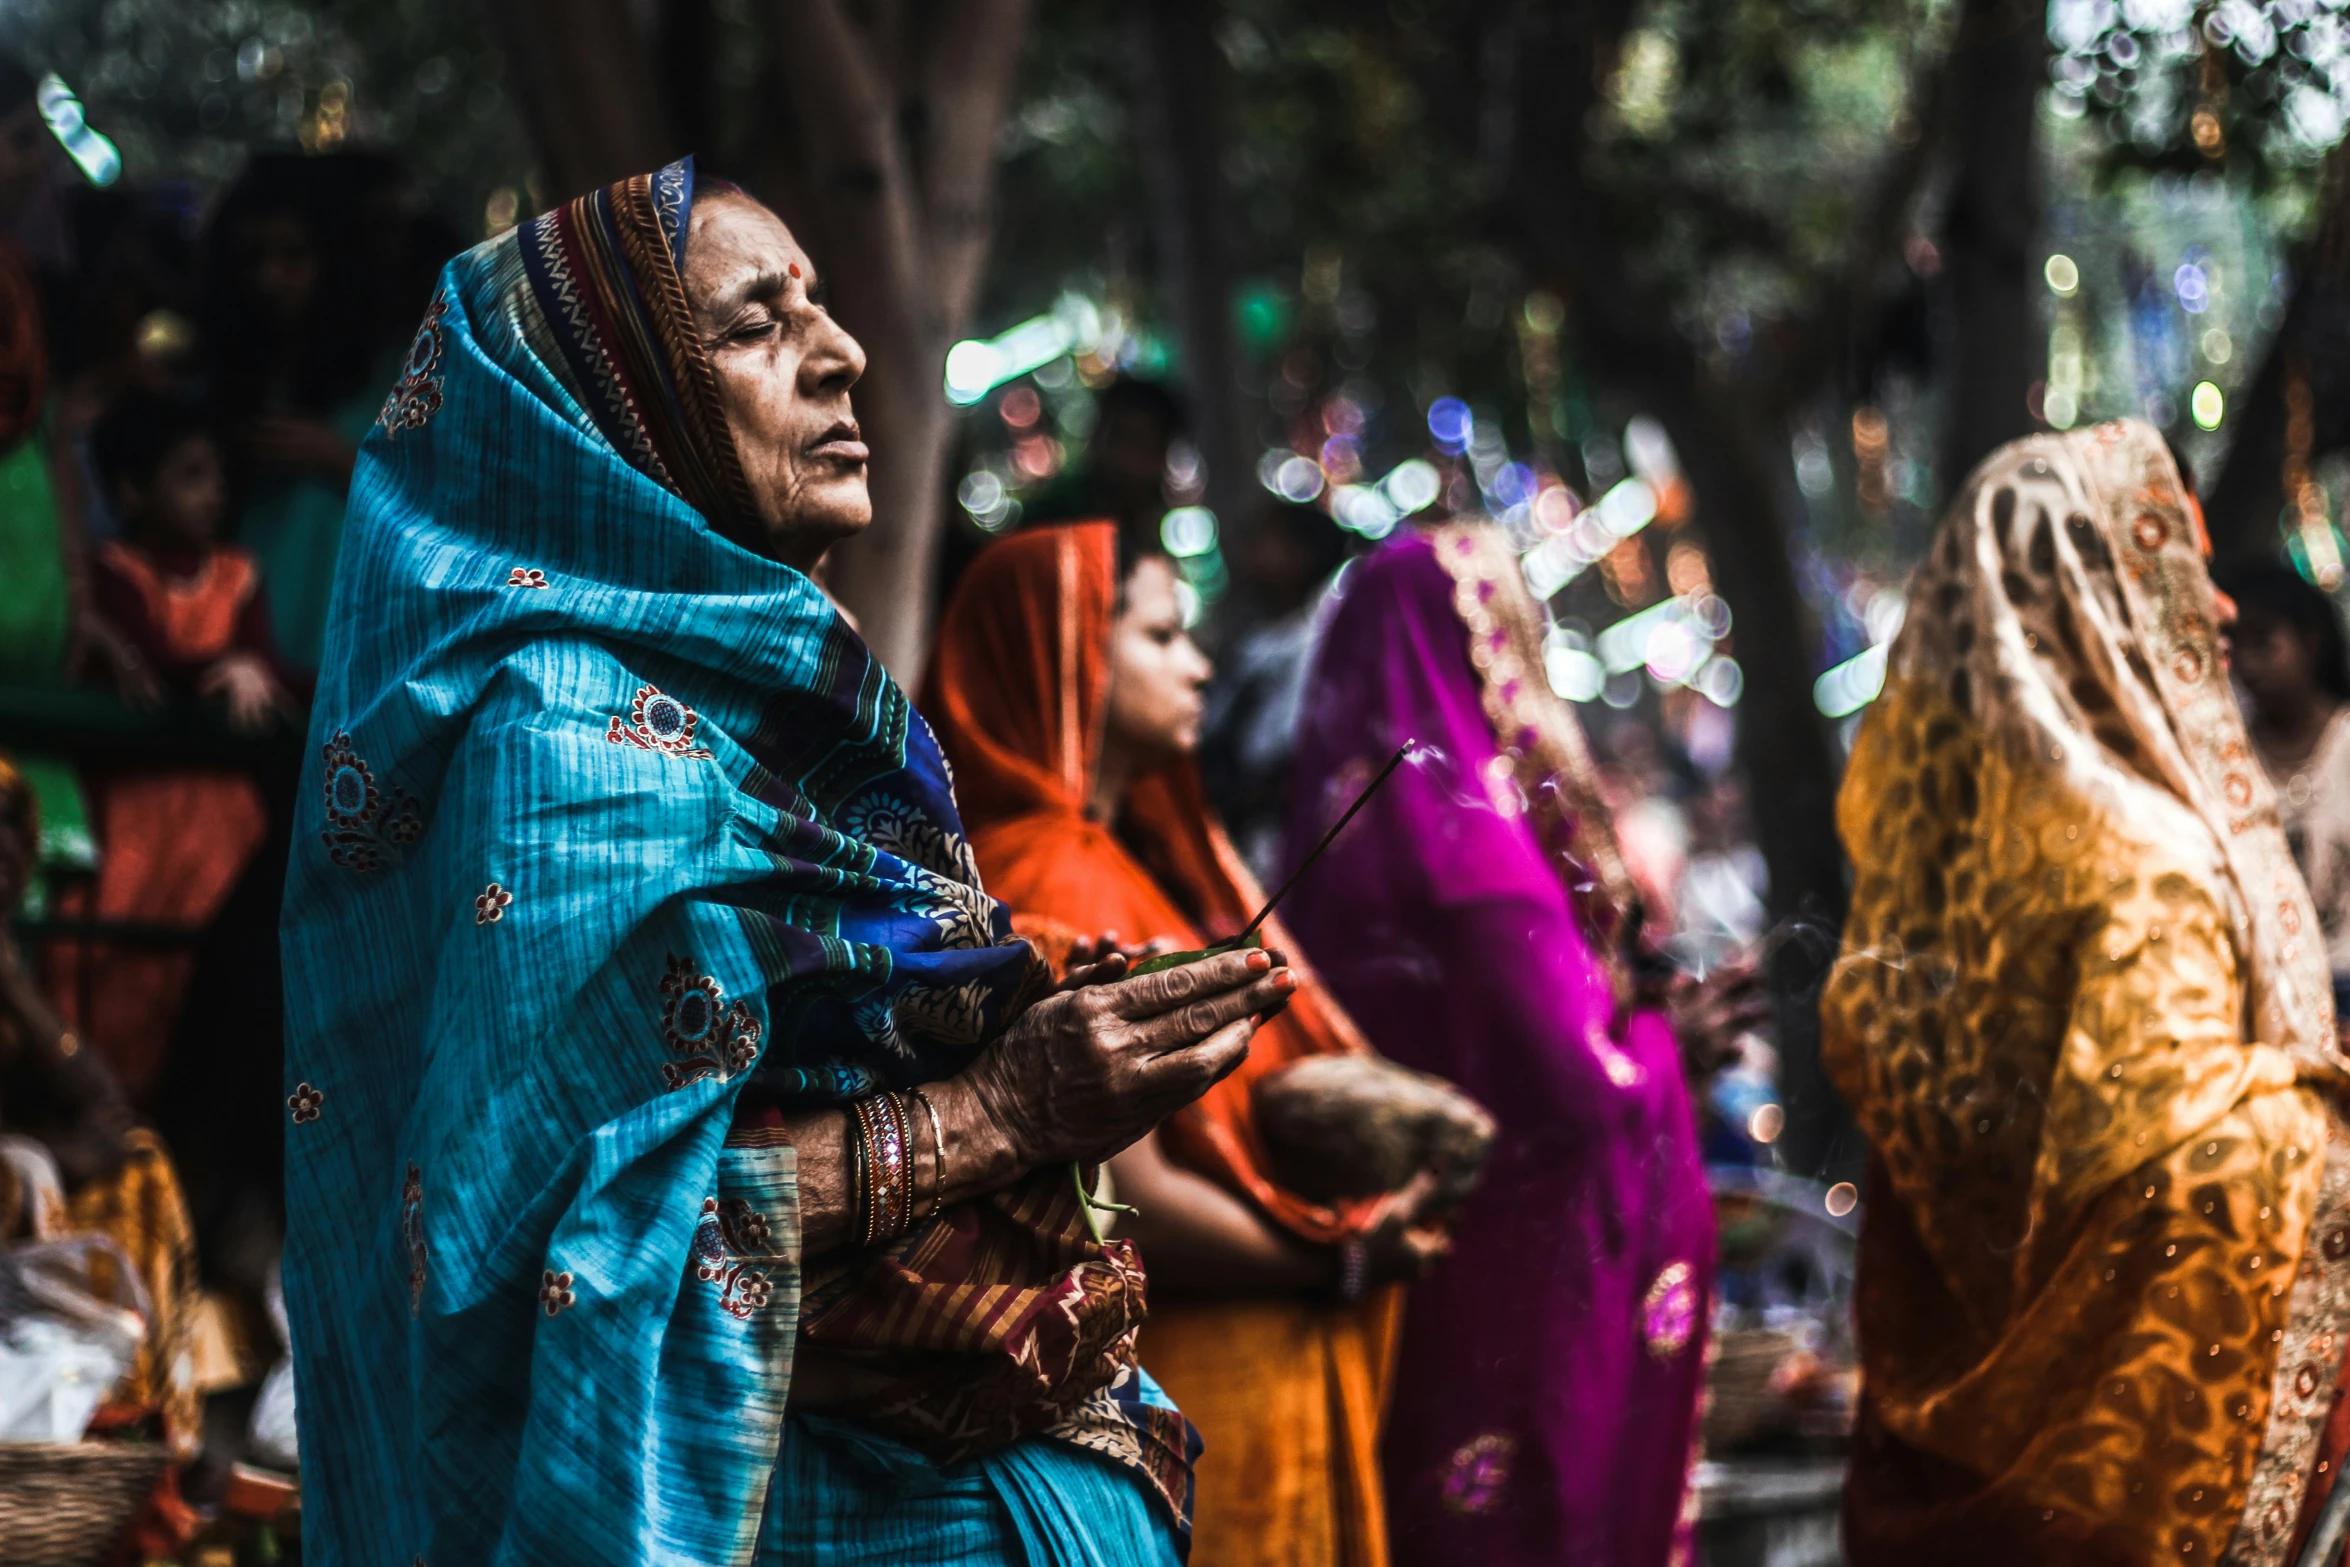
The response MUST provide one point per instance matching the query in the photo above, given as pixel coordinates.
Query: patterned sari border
(2308, 1368)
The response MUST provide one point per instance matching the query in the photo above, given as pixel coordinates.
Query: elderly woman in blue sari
(680, 1140)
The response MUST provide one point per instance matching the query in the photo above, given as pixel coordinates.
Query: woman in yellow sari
(2084, 1016)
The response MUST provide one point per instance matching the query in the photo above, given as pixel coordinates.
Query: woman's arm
(1202, 1240)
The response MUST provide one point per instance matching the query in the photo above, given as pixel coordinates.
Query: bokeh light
(2207, 405)
(1450, 424)
(2064, 275)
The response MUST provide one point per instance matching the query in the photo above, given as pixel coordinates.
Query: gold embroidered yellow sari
(2084, 1016)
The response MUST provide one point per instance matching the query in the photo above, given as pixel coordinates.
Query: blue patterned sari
(609, 818)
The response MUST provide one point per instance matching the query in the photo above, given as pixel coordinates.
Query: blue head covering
(607, 815)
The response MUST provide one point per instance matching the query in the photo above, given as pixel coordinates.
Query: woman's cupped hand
(1107, 1057)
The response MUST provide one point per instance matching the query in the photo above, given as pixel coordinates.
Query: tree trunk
(899, 176)
(887, 174)
(580, 72)
(1997, 69)
(1736, 454)
(2245, 500)
(1178, 91)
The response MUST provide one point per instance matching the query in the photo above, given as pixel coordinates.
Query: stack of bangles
(881, 1173)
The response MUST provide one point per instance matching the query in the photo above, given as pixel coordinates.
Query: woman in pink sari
(1473, 919)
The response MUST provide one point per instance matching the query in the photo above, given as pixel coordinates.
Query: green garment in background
(35, 621)
(33, 600)
(294, 527)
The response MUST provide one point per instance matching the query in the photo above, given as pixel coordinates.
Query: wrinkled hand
(1407, 1238)
(1709, 1014)
(1097, 960)
(1087, 1071)
(255, 699)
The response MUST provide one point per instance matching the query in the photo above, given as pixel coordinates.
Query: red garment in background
(1287, 1392)
(172, 841)
(1015, 693)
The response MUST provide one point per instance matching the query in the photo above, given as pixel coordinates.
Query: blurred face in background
(784, 368)
(183, 503)
(1158, 675)
(1130, 450)
(2275, 663)
(277, 256)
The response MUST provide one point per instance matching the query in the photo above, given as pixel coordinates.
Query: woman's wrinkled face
(1158, 674)
(784, 368)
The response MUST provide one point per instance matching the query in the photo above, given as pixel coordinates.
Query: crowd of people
(734, 1107)
(184, 400)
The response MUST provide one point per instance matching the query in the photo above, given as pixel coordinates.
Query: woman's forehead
(733, 236)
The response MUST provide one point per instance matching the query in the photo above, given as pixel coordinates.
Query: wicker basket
(64, 1504)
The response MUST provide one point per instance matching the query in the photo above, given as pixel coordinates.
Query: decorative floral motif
(362, 827)
(416, 396)
(305, 1102)
(1669, 1312)
(956, 1014)
(555, 1292)
(896, 827)
(412, 1236)
(658, 722)
(1477, 1473)
(964, 915)
(724, 1242)
(708, 1037)
(526, 577)
(490, 904)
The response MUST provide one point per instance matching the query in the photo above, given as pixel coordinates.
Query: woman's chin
(818, 522)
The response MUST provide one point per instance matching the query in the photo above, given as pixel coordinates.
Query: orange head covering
(1017, 688)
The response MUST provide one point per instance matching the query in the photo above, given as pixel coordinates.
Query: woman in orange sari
(1067, 696)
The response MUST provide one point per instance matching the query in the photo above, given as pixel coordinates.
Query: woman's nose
(834, 360)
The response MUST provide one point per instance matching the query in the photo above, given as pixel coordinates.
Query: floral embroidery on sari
(1477, 1474)
(1669, 1311)
(490, 904)
(658, 722)
(362, 828)
(729, 1237)
(416, 396)
(555, 1292)
(708, 1037)
(306, 1103)
(526, 577)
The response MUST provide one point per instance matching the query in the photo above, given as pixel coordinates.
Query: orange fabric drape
(1287, 1394)
(172, 843)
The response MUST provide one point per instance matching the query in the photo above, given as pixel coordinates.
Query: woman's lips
(840, 444)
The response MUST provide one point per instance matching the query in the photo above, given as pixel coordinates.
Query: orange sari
(1287, 1393)
(172, 842)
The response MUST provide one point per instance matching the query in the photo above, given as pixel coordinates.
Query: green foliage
(187, 87)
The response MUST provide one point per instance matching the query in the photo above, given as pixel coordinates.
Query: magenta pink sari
(1546, 1396)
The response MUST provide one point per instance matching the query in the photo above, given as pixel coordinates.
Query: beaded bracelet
(881, 1193)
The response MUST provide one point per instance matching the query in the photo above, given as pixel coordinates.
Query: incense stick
(1328, 839)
